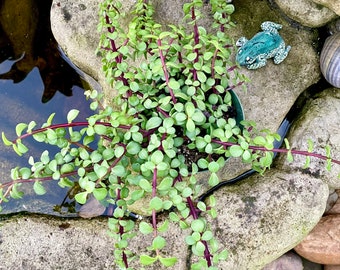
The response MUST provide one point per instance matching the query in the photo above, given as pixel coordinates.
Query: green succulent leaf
(15, 193)
(197, 225)
(153, 122)
(25, 173)
(5, 140)
(158, 242)
(191, 57)
(101, 171)
(81, 197)
(39, 137)
(72, 114)
(236, 150)
(30, 126)
(21, 148)
(189, 109)
(39, 188)
(145, 228)
(20, 128)
(207, 236)
(133, 148)
(147, 260)
(156, 203)
(173, 84)
(190, 125)
(213, 167)
(100, 193)
(145, 184)
(165, 184)
(157, 157)
(64, 182)
(168, 262)
(164, 226)
(100, 129)
(213, 180)
(189, 240)
(50, 119)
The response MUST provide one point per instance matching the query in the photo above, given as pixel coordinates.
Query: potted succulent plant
(176, 109)
(174, 114)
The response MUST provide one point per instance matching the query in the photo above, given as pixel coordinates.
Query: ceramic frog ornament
(254, 53)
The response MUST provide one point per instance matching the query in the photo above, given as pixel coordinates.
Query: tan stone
(334, 5)
(322, 245)
(306, 12)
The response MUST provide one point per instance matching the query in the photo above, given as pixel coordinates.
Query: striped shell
(330, 60)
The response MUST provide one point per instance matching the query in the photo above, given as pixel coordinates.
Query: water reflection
(26, 42)
(35, 81)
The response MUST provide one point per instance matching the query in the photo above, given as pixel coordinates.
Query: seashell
(330, 60)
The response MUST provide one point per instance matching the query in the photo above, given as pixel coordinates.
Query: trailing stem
(165, 71)
(194, 213)
(73, 124)
(154, 214)
(196, 40)
(121, 228)
(280, 150)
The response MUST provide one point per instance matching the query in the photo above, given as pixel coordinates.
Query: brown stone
(322, 245)
(331, 267)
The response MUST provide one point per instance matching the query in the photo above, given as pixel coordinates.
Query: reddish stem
(194, 212)
(67, 125)
(280, 150)
(121, 228)
(154, 187)
(165, 71)
(154, 214)
(196, 39)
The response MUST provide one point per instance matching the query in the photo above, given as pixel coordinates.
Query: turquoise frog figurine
(254, 53)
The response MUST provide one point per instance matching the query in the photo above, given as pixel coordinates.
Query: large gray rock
(320, 123)
(265, 216)
(306, 12)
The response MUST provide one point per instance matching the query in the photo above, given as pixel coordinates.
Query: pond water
(35, 81)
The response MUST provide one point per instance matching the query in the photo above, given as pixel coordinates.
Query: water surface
(35, 81)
